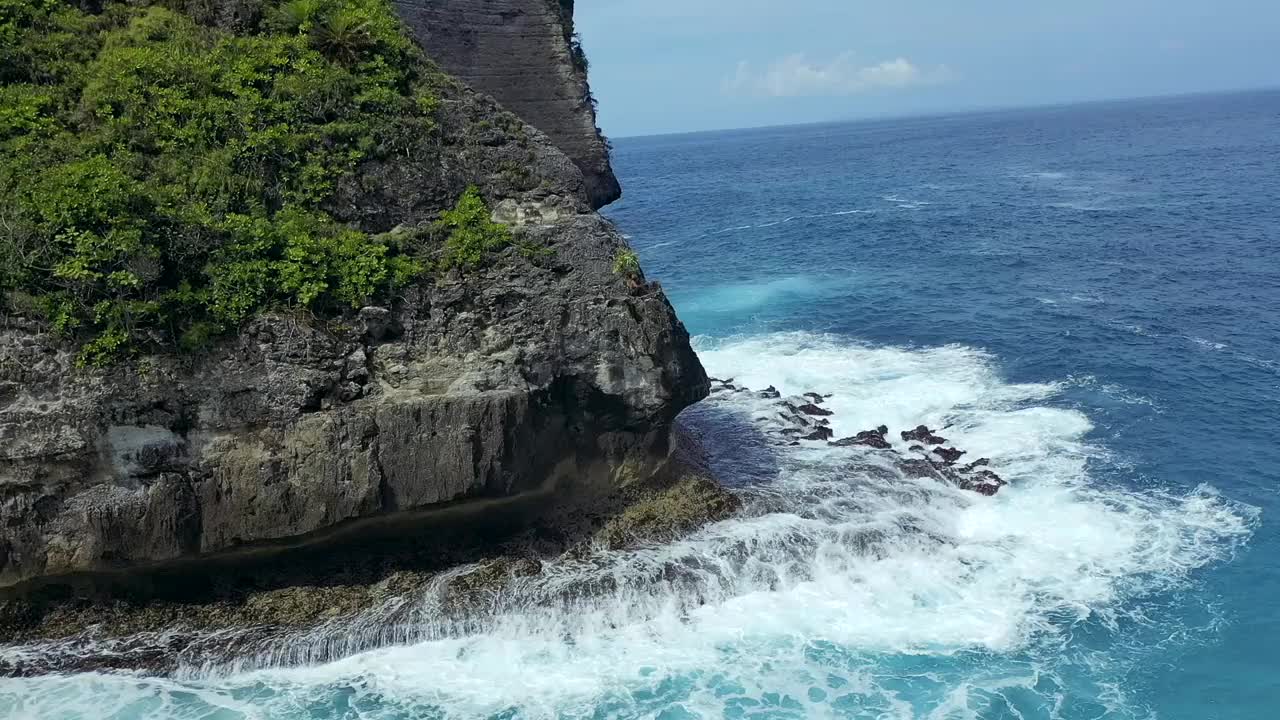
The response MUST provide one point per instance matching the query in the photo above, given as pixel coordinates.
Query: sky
(663, 66)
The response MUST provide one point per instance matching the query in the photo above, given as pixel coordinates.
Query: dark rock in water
(811, 409)
(989, 477)
(948, 455)
(919, 468)
(980, 462)
(883, 430)
(917, 448)
(770, 393)
(923, 434)
(795, 419)
(815, 397)
(718, 380)
(870, 438)
(820, 433)
(984, 482)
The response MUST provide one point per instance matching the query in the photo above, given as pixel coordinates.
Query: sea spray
(841, 589)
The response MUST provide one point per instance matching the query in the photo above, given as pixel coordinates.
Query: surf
(841, 588)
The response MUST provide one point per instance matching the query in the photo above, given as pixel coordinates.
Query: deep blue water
(1128, 250)
(1089, 296)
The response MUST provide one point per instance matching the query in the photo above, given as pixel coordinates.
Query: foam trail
(843, 589)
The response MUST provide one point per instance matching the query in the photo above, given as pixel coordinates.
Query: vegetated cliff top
(166, 174)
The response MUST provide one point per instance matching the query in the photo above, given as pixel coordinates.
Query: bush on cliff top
(162, 180)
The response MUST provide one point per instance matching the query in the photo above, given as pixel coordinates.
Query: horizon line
(975, 110)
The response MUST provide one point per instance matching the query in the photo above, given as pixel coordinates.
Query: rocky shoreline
(444, 579)
(804, 419)
(157, 622)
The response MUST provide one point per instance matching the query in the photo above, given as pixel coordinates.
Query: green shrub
(164, 179)
(626, 263)
(471, 232)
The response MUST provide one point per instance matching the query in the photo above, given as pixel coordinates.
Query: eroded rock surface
(497, 383)
(523, 53)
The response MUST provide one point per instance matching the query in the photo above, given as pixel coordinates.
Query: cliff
(523, 53)
(538, 373)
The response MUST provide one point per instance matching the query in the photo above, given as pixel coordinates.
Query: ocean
(1087, 295)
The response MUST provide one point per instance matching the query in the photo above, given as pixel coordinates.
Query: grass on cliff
(162, 180)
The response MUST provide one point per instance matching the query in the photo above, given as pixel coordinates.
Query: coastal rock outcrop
(523, 376)
(525, 54)
(790, 424)
(543, 373)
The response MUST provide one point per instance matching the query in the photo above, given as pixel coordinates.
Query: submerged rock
(811, 409)
(820, 433)
(922, 434)
(948, 455)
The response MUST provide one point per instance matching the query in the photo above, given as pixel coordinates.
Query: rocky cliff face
(539, 372)
(523, 53)
(528, 375)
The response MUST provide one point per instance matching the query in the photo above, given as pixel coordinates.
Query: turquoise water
(1089, 296)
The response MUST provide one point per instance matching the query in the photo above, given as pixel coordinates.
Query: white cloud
(797, 76)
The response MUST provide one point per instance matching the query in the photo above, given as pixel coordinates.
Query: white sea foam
(820, 601)
(787, 219)
(1206, 344)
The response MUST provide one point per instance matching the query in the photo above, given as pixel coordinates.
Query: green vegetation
(471, 233)
(161, 180)
(627, 264)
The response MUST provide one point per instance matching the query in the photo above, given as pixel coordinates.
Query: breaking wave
(843, 589)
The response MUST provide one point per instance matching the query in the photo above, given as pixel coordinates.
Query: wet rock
(815, 397)
(917, 448)
(869, 438)
(980, 462)
(811, 409)
(692, 502)
(984, 482)
(920, 468)
(922, 434)
(770, 393)
(948, 455)
(820, 433)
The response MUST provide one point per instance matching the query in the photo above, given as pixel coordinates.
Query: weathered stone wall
(521, 53)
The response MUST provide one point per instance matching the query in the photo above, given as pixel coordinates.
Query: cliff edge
(525, 54)
(540, 371)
